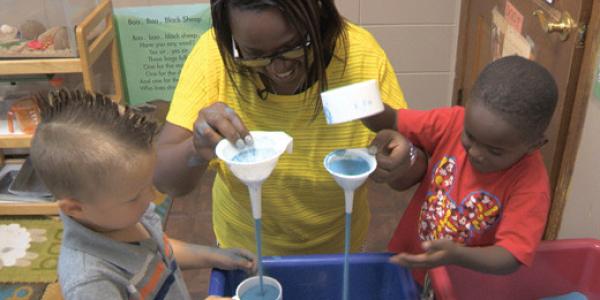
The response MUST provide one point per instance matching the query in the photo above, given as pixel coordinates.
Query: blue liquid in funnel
(349, 166)
(253, 154)
(270, 293)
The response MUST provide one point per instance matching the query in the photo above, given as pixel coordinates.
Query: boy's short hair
(522, 91)
(83, 139)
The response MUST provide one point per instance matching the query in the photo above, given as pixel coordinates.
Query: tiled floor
(190, 220)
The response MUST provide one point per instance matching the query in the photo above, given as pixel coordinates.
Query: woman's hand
(214, 123)
(393, 155)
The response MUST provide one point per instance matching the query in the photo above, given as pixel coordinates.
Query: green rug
(22, 291)
(38, 264)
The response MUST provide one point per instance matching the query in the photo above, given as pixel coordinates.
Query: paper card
(498, 20)
(513, 17)
(515, 44)
(498, 28)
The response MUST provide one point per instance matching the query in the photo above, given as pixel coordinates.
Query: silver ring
(412, 153)
(230, 111)
(201, 127)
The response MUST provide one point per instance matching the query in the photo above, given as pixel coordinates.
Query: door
(491, 29)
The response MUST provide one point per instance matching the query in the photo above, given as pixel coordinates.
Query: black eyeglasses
(261, 62)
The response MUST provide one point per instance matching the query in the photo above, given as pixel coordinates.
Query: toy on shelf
(27, 115)
(37, 28)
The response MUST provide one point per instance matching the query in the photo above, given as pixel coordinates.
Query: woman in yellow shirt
(262, 67)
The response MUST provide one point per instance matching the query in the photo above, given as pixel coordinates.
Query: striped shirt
(302, 206)
(92, 266)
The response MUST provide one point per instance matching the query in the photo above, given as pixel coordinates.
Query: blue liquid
(257, 232)
(349, 166)
(346, 252)
(254, 293)
(253, 154)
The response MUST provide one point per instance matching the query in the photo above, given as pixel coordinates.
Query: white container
(254, 281)
(352, 102)
(41, 28)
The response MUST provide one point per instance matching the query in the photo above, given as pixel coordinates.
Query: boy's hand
(232, 259)
(437, 253)
(393, 155)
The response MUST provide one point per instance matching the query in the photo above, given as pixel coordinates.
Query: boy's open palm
(437, 253)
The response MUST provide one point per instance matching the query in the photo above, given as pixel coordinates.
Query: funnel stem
(255, 199)
(349, 198)
(257, 232)
(346, 253)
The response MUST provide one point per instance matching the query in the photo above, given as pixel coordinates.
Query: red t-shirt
(506, 208)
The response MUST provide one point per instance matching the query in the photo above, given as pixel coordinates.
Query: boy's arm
(191, 256)
(490, 259)
(400, 164)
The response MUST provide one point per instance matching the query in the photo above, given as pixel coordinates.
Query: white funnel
(253, 164)
(350, 168)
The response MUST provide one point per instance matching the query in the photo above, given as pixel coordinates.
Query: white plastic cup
(352, 102)
(255, 281)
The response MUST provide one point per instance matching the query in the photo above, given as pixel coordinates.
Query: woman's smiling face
(264, 33)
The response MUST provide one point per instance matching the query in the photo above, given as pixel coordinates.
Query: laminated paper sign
(506, 37)
(154, 43)
(513, 17)
(515, 44)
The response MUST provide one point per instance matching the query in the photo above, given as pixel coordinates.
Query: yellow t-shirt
(302, 206)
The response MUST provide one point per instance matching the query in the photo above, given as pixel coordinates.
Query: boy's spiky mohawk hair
(75, 108)
(84, 138)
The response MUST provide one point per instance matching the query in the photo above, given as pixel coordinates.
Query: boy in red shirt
(484, 195)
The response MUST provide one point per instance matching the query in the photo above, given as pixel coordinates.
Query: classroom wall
(419, 41)
(581, 215)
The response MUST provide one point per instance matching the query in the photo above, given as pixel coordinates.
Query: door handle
(564, 27)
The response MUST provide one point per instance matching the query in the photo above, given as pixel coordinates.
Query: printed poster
(154, 42)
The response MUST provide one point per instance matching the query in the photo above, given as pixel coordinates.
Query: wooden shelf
(28, 209)
(15, 141)
(40, 66)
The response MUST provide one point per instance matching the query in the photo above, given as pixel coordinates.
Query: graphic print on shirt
(442, 218)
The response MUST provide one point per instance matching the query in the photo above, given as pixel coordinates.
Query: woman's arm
(183, 156)
(178, 168)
